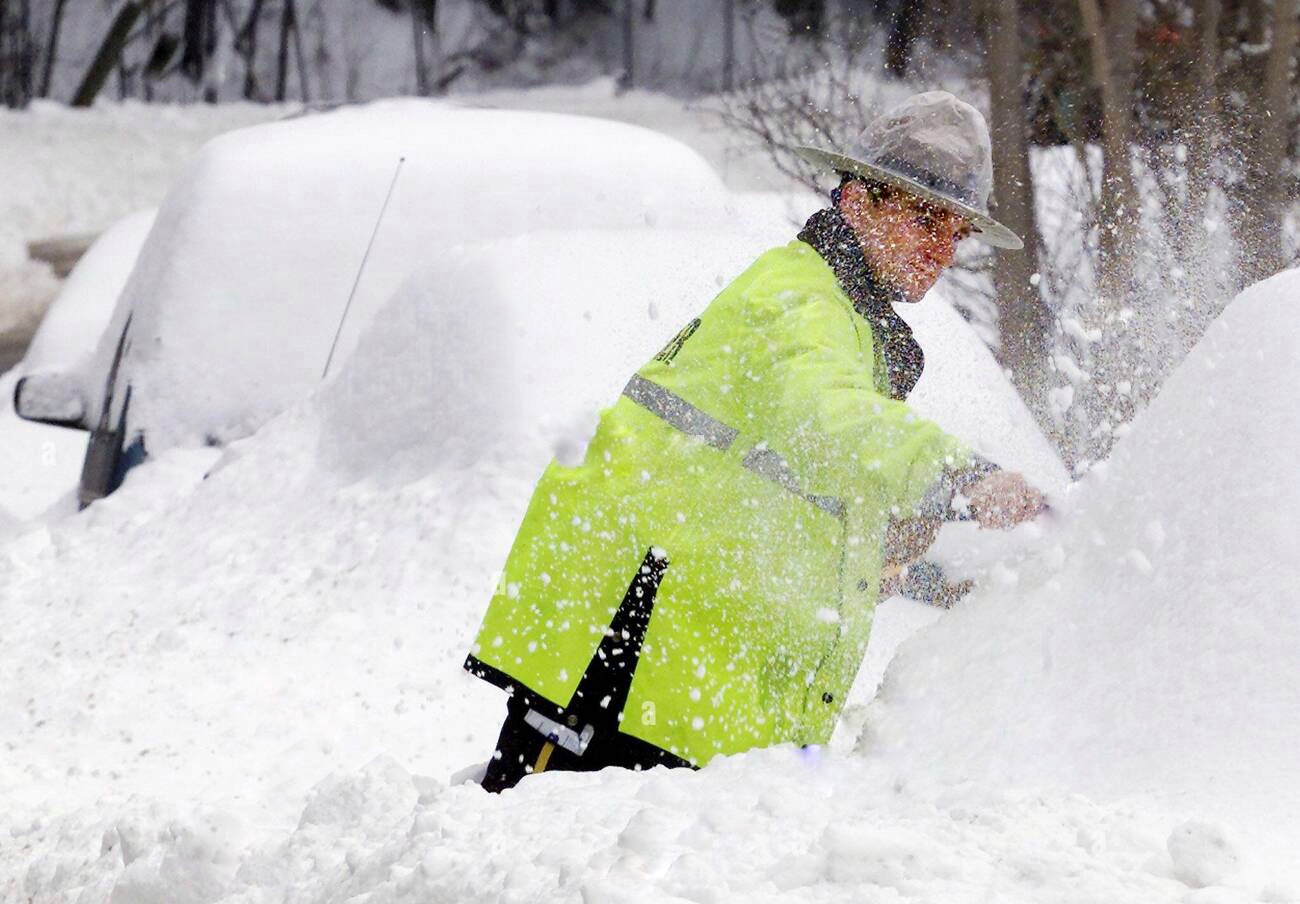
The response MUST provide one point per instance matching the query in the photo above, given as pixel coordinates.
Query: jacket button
(828, 697)
(864, 585)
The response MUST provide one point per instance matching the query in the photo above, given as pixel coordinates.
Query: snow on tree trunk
(1024, 323)
(1268, 186)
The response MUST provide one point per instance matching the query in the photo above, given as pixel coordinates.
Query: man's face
(907, 241)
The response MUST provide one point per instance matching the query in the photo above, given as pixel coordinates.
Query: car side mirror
(56, 399)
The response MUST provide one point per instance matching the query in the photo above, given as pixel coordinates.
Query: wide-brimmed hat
(934, 146)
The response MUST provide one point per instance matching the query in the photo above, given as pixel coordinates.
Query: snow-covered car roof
(71, 328)
(241, 284)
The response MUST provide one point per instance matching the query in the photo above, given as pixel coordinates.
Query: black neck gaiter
(834, 239)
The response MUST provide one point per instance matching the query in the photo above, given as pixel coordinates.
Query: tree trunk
(248, 45)
(300, 61)
(1023, 319)
(198, 38)
(1113, 41)
(1256, 21)
(51, 48)
(1111, 391)
(728, 44)
(424, 21)
(288, 25)
(27, 52)
(629, 56)
(1267, 191)
(152, 67)
(421, 68)
(904, 29)
(805, 18)
(1202, 124)
(17, 53)
(9, 92)
(109, 53)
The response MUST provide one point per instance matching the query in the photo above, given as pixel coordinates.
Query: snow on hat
(934, 146)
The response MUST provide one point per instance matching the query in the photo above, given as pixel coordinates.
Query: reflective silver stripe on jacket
(676, 411)
(828, 504)
(679, 412)
(766, 463)
(938, 500)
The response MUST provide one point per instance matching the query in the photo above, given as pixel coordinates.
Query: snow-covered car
(70, 329)
(40, 462)
(238, 298)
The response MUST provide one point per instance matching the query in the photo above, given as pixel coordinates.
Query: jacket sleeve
(842, 435)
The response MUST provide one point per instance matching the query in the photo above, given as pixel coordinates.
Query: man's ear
(852, 194)
(861, 195)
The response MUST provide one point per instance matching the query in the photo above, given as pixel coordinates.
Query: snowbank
(224, 643)
(1150, 650)
(775, 825)
(185, 660)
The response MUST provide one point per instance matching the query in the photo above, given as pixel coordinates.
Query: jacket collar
(834, 239)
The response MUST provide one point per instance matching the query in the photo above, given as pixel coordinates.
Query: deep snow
(1148, 648)
(224, 645)
(247, 687)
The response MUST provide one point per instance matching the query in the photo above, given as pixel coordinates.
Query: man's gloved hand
(1004, 499)
(907, 539)
(924, 582)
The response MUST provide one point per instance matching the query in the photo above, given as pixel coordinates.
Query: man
(704, 582)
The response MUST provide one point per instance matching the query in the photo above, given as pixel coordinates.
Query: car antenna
(365, 257)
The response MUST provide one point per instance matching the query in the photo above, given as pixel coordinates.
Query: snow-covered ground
(247, 687)
(239, 677)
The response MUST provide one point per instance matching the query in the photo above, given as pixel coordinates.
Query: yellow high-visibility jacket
(705, 580)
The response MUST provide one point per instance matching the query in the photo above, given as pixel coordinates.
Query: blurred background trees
(1145, 150)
